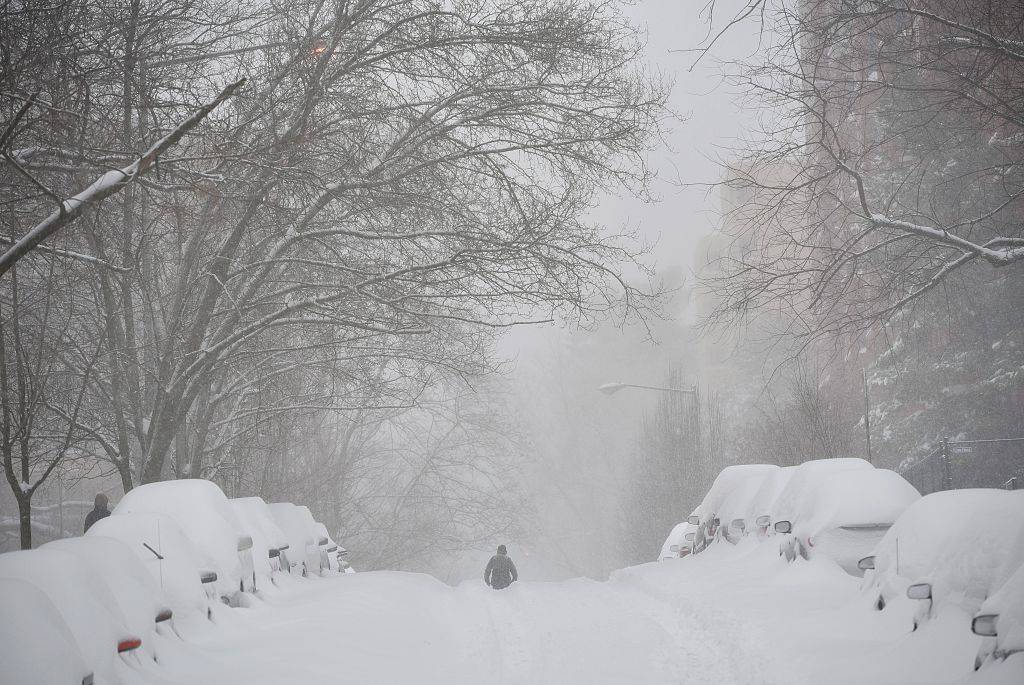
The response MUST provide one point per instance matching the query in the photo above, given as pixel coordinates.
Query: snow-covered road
(734, 616)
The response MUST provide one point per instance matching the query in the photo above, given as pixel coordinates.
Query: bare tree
(888, 161)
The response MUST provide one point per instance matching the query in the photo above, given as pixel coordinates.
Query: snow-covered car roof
(38, 647)
(204, 514)
(179, 570)
(960, 541)
(727, 480)
(266, 534)
(84, 601)
(805, 478)
(859, 497)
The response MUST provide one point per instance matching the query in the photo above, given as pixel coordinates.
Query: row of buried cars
(171, 560)
(955, 556)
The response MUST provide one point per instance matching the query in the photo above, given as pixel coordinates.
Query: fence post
(947, 466)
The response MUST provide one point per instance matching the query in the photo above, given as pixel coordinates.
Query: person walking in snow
(500, 571)
(99, 511)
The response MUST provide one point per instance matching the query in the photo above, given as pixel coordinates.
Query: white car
(166, 553)
(843, 516)
(85, 603)
(38, 647)
(203, 512)
(947, 554)
(707, 514)
(303, 537)
(270, 544)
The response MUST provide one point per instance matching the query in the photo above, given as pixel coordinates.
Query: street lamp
(612, 388)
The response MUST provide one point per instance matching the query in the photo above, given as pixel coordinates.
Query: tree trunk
(25, 521)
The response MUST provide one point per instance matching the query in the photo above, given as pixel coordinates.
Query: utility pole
(867, 413)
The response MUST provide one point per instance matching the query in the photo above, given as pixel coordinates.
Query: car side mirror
(763, 521)
(920, 591)
(866, 564)
(207, 577)
(985, 625)
(244, 543)
(674, 548)
(693, 520)
(689, 536)
(739, 524)
(783, 527)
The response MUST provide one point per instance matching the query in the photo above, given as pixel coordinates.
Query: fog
(582, 465)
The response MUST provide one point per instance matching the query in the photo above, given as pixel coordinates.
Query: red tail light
(129, 644)
(164, 615)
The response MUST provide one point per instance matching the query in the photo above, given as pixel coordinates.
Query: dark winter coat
(500, 572)
(94, 516)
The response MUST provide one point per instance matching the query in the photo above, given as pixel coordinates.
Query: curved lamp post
(612, 388)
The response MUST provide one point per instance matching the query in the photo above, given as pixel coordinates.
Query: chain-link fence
(990, 463)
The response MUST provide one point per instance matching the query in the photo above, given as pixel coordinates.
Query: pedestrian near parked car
(99, 511)
(501, 571)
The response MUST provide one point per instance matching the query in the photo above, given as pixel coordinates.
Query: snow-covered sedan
(171, 560)
(1000, 621)
(37, 647)
(707, 516)
(843, 516)
(299, 527)
(677, 544)
(947, 554)
(270, 544)
(86, 605)
(203, 512)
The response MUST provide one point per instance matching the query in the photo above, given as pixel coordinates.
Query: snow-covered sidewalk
(731, 615)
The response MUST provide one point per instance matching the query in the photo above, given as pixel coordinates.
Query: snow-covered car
(946, 554)
(707, 513)
(328, 548)
(845, 515)
(677, 545)
(758, 517)
(269, 542)
(207, 518)
(137, 595)
(166, 553)
(37, 647)
(85, 603)
(1000, 621)
(733, 510)
(303, 538)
